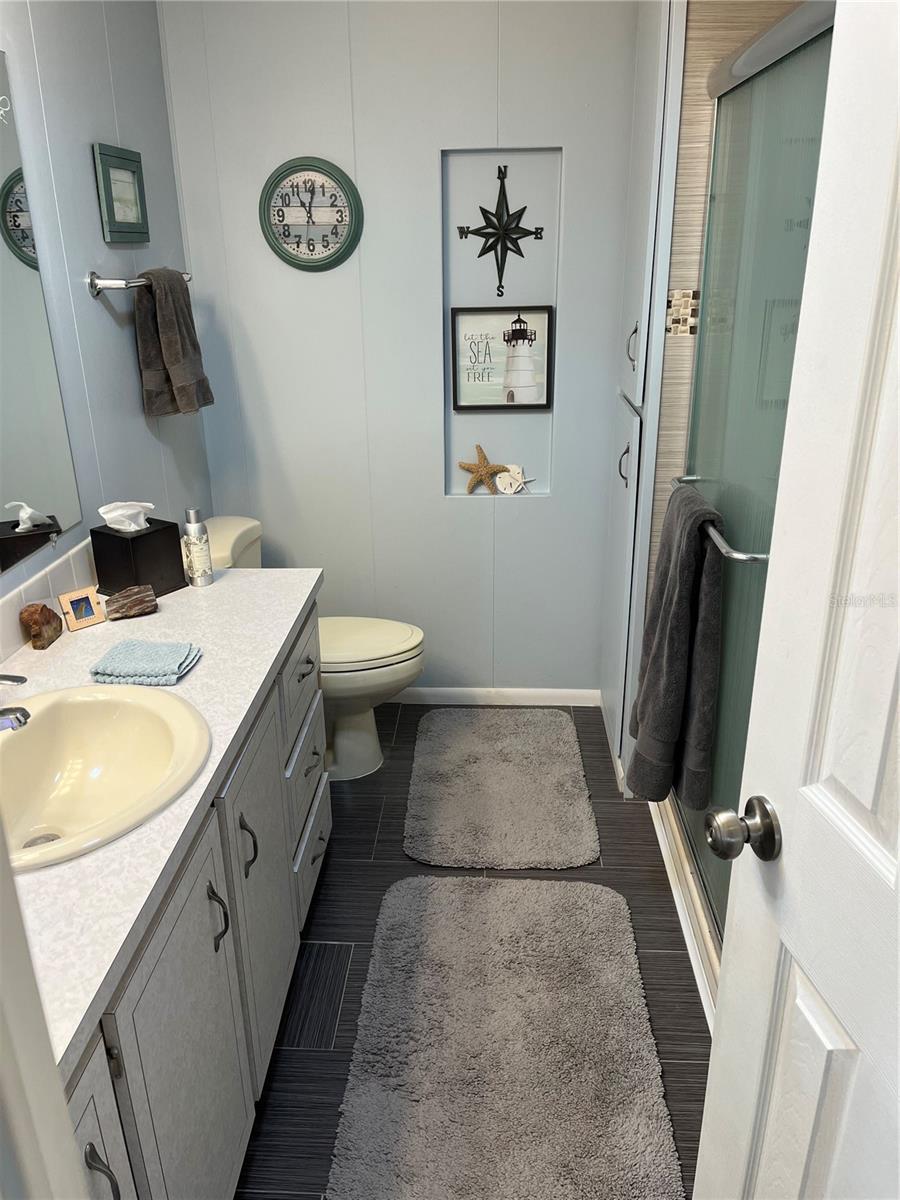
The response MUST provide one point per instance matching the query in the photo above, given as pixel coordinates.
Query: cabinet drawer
(98, 1131)
(185, 1090)
(299, 681)
(311, 850)
(306, 765)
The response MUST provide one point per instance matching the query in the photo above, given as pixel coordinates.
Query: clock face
(15, 219)
(311, 214)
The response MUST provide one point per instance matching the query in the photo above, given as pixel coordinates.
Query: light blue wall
(329, 424)
(82, 73)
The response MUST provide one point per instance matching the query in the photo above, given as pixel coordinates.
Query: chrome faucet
(14, 717)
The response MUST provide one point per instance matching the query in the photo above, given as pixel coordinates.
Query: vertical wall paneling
(548, 574)
(82, 73)
(330, 421)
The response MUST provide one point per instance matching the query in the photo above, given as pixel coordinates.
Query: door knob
(727, 833)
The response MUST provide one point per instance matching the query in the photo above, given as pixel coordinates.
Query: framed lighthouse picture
(502, 359)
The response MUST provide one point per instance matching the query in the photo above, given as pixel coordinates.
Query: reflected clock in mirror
(35, 459)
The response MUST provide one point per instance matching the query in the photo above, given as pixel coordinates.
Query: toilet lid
(357, 643)
(229, 537)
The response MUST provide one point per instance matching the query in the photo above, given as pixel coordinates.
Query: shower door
(762, 185)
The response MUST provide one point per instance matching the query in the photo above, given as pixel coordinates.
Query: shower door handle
(632, 358)
(727, 834)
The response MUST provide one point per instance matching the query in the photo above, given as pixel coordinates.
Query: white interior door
(802, 1091)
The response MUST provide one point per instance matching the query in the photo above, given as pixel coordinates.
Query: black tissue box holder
(151, 555)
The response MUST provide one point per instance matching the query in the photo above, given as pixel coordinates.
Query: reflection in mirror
(35, 460)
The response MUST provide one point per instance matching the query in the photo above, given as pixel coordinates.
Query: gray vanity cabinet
(98, 1131)
(184, 1085)
(255, 821)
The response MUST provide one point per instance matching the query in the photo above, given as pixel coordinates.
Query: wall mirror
(35, 459)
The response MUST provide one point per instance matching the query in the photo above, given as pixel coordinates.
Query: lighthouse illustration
(519, 383)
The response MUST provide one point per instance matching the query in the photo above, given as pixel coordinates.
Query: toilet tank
(234, 542)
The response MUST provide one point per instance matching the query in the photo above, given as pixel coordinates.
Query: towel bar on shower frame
(96, 285)
(715, 537)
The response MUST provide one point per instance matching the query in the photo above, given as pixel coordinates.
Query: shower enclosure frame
(802, 25)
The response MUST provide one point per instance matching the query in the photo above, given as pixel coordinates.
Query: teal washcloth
(153, 664)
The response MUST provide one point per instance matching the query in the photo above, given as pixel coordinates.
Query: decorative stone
(42, 625)
(137, 601)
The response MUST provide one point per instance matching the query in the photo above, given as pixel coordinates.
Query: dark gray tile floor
(290, 1149)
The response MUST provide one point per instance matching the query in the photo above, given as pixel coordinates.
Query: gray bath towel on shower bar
(674, 716)
(172, 377)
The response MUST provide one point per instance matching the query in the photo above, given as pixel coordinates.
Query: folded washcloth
(153, 664)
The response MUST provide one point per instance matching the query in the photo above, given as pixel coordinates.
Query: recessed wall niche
(499, 257)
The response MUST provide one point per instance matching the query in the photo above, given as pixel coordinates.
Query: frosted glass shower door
(763, 182)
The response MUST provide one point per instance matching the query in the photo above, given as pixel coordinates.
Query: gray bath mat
(499, 787)
(504, 1051)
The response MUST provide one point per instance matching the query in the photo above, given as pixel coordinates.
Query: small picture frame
(120, 188)
(502, 359)
(81, 608)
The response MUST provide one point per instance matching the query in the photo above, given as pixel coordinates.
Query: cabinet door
(179, 1029)
(98, 1132)
(617, 563)
(259, 846)
(643, 192)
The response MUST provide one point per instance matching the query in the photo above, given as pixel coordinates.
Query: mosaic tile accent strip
(683, 311)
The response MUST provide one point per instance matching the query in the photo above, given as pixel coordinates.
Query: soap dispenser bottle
(197, 558)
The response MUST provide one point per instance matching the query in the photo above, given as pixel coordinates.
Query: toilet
(364, 660)
(234, 542)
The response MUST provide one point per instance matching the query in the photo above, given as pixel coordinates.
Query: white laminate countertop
(84, 918)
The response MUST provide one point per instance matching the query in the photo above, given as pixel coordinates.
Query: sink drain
(40, 840)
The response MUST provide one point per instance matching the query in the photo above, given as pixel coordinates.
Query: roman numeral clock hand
(502, 230)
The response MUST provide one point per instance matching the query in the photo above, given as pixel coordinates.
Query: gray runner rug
(504, 1051)
(499, 787)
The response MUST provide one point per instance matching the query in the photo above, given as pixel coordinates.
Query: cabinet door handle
(310, 667)
(622, 457)
(316, 857)
(94, 1162)
(217, 899)
(631, 337)
(316, 754)
(242, 823)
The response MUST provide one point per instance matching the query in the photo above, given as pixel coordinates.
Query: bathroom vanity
(163, 958)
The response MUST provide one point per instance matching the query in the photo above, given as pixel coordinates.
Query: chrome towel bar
(714, 536)
(96, 285)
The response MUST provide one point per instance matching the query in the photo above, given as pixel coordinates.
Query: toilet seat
(366, 643)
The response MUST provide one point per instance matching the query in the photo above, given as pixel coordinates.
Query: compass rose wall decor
(503, 231)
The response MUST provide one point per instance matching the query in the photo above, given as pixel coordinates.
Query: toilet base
(353, 748)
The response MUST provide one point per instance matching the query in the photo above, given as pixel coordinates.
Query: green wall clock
(15, 219)
(311, 214)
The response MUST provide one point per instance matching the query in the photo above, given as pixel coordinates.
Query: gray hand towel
(172, 377)
(674, 715)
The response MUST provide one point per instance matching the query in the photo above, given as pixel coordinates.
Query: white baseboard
(702, 942)
(589, 697)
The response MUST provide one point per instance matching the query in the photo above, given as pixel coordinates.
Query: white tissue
(126, 515)
(28, 516)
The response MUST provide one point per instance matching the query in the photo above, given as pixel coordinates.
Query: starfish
(482, 471)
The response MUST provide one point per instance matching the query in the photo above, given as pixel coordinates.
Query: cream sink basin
(92, 764)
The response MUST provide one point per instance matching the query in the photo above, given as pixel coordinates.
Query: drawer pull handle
(94, 1162)
(310, 667)
(622, 457)
(242, 824)
(631, 358)
(316, 857)
(316, 754)
(217, 899)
